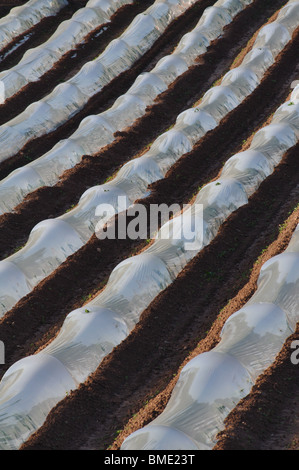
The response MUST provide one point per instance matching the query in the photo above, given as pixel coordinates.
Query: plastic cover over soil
(212, 384)
(225, 375)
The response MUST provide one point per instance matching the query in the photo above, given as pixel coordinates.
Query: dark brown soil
(102, 100)
(38, 34)
(7, 5)
(133, 384)
(144, 364)
(50, 202)
(92, 46)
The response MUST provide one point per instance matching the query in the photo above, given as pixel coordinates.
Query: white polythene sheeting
(133, 284)
(260, 60)
(68, 98)
(213, 21)
(22, 18)
(242, 79)
(295, 93)
(95, 133)
(289, 16)
(212, 384)
(294, 243)
(274, 37)
(51, 382)
(273, 141)
(250, 168)
(159, 271)
(209, 386)
(254, 335)
(70, 33)
(54, 241)
(14, 285)
(291, 117)
(84, 217)
(240, 178)
(219, 101)
(108, 330)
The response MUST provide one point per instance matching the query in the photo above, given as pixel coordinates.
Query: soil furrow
(52, 201)
(92, 46)
(38, 34)
(267, 419)
(83, 274)
(106, 97)
(7, 5)
(181, 315)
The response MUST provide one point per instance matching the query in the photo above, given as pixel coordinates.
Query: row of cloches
(53, 240)
(70, 33)
(36, 62)
(212, 384)
(95, 132)
(68, 98)
(22, 18)
(32, 386)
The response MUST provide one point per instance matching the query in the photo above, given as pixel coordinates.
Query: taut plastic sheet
(95, 133)
(241, 175)
(51, 382)
(22, 18)
(210, 385)
(68, 98)
(70, 33)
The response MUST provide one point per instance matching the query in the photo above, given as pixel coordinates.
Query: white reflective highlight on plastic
(241, 176)
(209, 386)
(22, 18)
(95, 133)
(227, 374)
(90, 334)
(279, 282)
(212, 383)
(36, 62)
(68, 98)
(141, 278)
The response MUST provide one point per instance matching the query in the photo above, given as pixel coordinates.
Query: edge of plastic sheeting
(160, 437)
(36, 16)
(189, 386)
(207, 389)
(14, 285)
(85, 232)
(90, 334)
(36, 376)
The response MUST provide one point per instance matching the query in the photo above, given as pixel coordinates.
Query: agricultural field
(118, 334)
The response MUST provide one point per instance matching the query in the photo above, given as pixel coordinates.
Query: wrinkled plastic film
(222, 377)
(36, 62)
(213, 383)
(68, 98)
(160, 253)
(241, 175)
(217, 102)
(52, 382)
(22, 18)
(119, 56)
